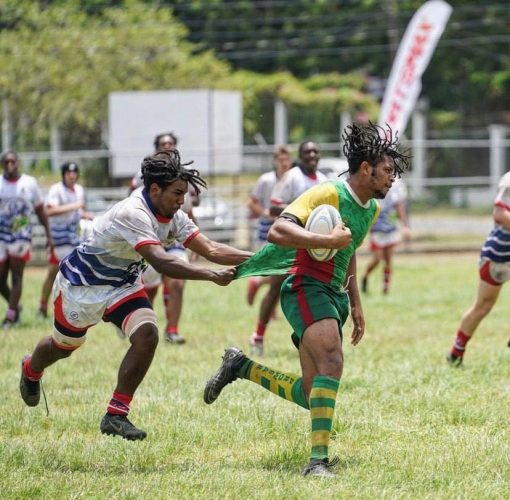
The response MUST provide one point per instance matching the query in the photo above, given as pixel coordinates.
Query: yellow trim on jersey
(377, 212)
(302, 206)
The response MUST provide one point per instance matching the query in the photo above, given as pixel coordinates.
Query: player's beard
(380, 195)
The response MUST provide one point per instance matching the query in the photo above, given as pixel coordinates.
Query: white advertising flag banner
(411, 60)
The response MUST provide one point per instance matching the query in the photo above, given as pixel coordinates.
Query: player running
(315, 296)
(100, 280)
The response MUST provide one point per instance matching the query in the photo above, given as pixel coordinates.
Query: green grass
(406, 426)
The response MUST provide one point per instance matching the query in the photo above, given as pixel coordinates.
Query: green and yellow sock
(322, 409)
(286, 385)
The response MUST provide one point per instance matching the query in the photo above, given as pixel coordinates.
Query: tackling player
(100, 280)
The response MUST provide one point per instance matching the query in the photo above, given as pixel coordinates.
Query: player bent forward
(312, 297)
(100, 279)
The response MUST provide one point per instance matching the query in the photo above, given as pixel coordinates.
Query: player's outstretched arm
(173, 267)
(218, 252)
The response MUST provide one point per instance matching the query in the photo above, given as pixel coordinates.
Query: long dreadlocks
(371, 143)
(165, 167)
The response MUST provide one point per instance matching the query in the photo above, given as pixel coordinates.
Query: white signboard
(207, 124)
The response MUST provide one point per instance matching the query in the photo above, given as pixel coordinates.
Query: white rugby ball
(322, 220)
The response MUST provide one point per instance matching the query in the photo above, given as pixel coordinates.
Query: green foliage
(61, 59)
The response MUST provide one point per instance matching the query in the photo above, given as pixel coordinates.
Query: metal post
(55, 147)
(419, 167)
(497, 135)
(281, 130)
(6, 126)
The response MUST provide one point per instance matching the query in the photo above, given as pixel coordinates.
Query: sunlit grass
(406, 425)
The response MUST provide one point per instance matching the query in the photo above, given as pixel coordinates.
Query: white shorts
(384, 240)
(59, 253)
(80, 307)
(151, 278)
(494, 273)
(18, 250)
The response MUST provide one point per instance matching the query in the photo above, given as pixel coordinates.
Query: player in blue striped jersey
(101, 280)
(494, 271)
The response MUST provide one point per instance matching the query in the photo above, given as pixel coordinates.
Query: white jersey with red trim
(18, 200)
(65, 227)
(293, 184)
(109, 256)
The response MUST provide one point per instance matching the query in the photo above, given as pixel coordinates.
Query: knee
(331, 362)
(177, 287)
(483, 308)
(146, 337)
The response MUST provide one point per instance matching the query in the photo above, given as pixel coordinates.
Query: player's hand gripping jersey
(109, 256)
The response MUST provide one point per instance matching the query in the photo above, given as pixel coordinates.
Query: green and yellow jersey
(276, 260)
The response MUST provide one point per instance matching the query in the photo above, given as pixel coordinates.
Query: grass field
(406, 426)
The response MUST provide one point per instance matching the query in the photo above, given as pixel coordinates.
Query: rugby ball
(322, 220)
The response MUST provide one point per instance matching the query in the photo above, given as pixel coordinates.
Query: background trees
(61, 58)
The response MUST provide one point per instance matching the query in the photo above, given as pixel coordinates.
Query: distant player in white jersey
(20, 197)
(388, 231)
(292, 184)
(101, 280)
(494, 271)
(65, 207)
(259, 204)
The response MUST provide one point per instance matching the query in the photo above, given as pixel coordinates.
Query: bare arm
(256, 209)
(173, 267)
(62, 209)
(287, 233)
(402, 215)
(43, 219)
(501, 216)
(218, 252)
(351, 286)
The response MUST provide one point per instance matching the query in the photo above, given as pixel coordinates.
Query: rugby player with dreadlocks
(315, 296)
(100, 280)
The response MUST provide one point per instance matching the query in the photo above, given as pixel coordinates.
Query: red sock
(459, 345)
(386, 279)
(171, 330)
(166, 295)
(119, 404)
(43, 306)
(261, 328)
(29, 372)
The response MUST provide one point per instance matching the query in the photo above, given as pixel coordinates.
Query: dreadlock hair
(165, 167)
(371, 143)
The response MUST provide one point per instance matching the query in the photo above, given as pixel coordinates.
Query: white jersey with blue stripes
(109, 256)
(18, 200)
(497, 245)
(65, 227)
